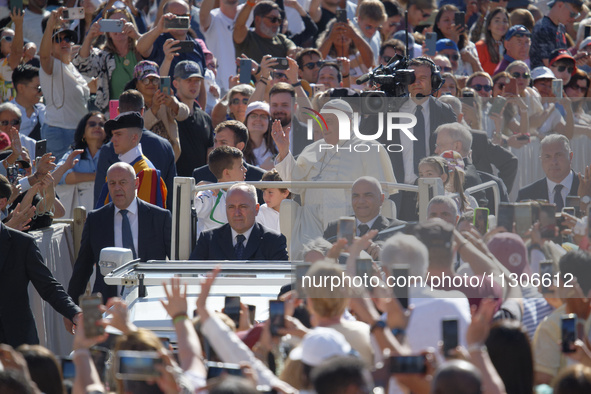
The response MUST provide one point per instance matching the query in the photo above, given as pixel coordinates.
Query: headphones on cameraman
(436, 79)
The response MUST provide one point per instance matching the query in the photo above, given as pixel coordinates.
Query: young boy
(269, 212)
(225, 162)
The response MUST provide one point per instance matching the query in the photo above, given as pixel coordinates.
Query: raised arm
(145, 43)
(204, 14)
(16, 51)
(45, 48)
(240, 28)
(95, 31)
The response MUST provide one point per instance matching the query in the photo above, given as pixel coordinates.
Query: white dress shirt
(131, 154)
(567, 183)
(246, 236)
(132, 215)
(408, 145)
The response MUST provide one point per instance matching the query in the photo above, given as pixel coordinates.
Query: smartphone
(252, 312)
(480, 220)
(113, 109)
(408, 364)
(16, 4)
(468, 98)
(165, 85)
(12, 174)
(569, 210)
(317, 88)
(73, 13)
(276, 315)
(342, 16)
(506, 216)
(523, 220)
(560, 223)
(587, 31)
(460, 18)
(282, 64)
(449, 335)
(557, 88)
(165, 342)
(346, 229)
(575, 202)
(232, 309)
(401, 289)
(364, 269)
(511, 87)
(431, 44)
(177, 23)
(91, 314)
(68, 368)
(111, 25)
(548, 220)
(569, 333)
(300, 271)
(215, 369)
(137, 365)
(546, 270)
(497, 105)
(245, 70)
(186, 46)
(40, 148)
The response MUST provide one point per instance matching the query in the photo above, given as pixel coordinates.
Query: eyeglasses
(278, 75)
(37, 88)
(274, 19)
(67, 39)
(93, 124)
(313, 65)
(236, 101)
(562, 68)
(7, 38)
(446, 69)
(212, 66)
(13, 122)
(582, 89)
(574, 15)
(455, 57)
(153, 81)
(258, 116)
(525, 75)
(478, 87)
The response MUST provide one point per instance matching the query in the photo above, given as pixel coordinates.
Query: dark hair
(223, 158)
(263, 8)
(282, 87)
(306, 52)
(44, 368)
(273, 176)
(574, 379)
(132, 84)
(507, 337)
(577, 263)
(249, 156)
(13, 382)
(335, 66)
(393, 43)
(131, 100)
(392, 8)
(5, 189)
(493, 49)
(335, 374)
(24, 73)
(79, 141)
(579, 75)
(239, 129)
(447, 8)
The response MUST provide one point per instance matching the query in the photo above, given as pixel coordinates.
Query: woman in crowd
(500, 80)
(233, 105)
(490, 48)
(450, 86)
(90, 136)
(44, 368)
(66, 91)
(11, 53)
(260, 150)
(111, 63)
(577, 90)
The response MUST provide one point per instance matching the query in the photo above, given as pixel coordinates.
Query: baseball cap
(187, 69)
(517, 30)
(510, 250)
(320, 344)
(446, 43)
(145, 69)
(124, 121)
(541, 73)
(577, 3)
(454, 160)
(558, 54)
(257, 105)
(339, 104)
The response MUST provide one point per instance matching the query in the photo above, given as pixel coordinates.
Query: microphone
(363, 79)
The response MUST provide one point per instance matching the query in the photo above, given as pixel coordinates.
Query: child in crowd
(226, 163)
(268, 214)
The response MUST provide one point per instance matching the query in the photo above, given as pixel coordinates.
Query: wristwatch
(377, 324)
(586, 199)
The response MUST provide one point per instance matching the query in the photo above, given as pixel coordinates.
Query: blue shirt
(85, 165)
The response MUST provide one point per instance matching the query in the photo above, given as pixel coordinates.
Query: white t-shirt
(211, 210)
(268, 217)
(64, 112)
(32, 26)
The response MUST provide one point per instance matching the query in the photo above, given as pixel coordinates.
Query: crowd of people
(130, 94)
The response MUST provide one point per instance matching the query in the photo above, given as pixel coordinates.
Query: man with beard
(265, 39)
(281, 97)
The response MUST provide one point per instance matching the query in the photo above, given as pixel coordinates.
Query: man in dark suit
(125, 222)
(367, 199)
(155, 148)
(560, 180)
(241, 238)
(20, 263)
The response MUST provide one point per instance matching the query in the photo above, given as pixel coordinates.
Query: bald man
(126, 222)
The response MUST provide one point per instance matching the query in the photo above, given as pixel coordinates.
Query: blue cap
(577, 3)
(446, 43)
(517, 30)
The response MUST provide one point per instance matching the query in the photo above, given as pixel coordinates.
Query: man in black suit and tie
(560, 181)
(241, 238)
(367, 199)
(126, 222)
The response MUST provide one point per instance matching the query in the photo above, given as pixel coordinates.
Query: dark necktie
(126, 236)
(419, 132)
(239, 248)
(363, 229)
(558, 200)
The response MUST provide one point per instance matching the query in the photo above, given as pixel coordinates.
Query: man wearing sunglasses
(266, 38)
(482, 83)
(309, 62)
(562, 65)
(25, 79)
(517, 43)
(550, 32)
(449, 49)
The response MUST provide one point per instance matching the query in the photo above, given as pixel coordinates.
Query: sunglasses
(278, 75)
(446, 69)
(92, 124)
(561, 69)
(582, 89)
(7, 38)
(455, 57)
(387, 59)
(525, 75)
(574, 15)
(153, 81)
(14, 122)
(313, 65)
(274, 19)
(37, 88)
(236, 101)
(478, 87)
(67, 39)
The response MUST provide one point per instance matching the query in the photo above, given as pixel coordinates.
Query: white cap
(341, 105)
(541, 73)
(584, 43)
(320, 344)
(257, 105)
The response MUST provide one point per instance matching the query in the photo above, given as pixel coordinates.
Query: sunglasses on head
(478, 87)
(313, 65)
(525, 75)
(13, 122)
(561, 69)
(236, 101)
(93, 124)
(455, 57)
(59, 39)
(274, 19)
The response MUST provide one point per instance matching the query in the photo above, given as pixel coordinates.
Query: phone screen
(548, 220)
(276, 315)
(68, 368)
(449, 334)
(91, 314)
(408, 364)
(523, 219)
(40, 148)
(165, 85)
(215, 369)
(431, 44)
(481, 220)
(401, 288)
(245, 70)
(252, 312)
(342, 16)
(460, 18)
(587, 31)
(137, 365)
(346, 229)
(505, 217)
(232, 309)
(557, 88)
(546, 270)
(568, 332)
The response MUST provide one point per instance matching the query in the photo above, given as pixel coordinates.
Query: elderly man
(517, 43)
(444, 208)
(126, 222)
(241, 238)
(560, 181)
